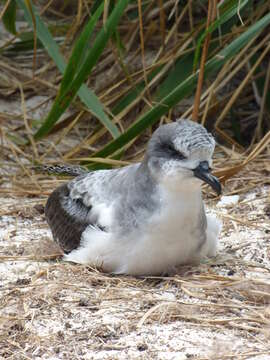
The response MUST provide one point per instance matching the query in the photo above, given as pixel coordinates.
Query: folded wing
(68, 218)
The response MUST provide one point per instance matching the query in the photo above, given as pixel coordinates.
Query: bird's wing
(86, 201)
(69, 212)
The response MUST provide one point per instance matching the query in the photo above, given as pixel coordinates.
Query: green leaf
(183, 67)
(80, 49)
(24, 43)
(134, 93)
(180, 71)
(183, 89)
(64, 99)
(85, 94)
(9, 17)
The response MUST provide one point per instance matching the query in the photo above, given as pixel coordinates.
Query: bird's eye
(173, 153)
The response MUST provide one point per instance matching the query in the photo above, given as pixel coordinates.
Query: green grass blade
(227, 15)
(96, 50)
(182, 90)
(44, 35)
(184, 66)
(9, 17)
(175, 76)
(25, 42)
(62, 101)
(134, 92)
(85, 94)
(79, 49)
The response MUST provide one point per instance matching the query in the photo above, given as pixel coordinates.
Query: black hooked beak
(203, 172)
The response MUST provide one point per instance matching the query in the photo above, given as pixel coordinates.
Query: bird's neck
(189, 189)
(144, 178)
(181, 203)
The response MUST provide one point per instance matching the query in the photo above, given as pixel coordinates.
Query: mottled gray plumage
(69, 170)
(143, 218)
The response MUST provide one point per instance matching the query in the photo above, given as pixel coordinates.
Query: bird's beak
(202, 171)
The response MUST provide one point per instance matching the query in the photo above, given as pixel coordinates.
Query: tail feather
(69, 170)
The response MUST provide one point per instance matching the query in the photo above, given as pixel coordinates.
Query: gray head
(182, 151)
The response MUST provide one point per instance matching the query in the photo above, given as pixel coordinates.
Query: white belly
(173, 236)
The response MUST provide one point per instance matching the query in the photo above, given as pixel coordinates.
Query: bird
(146, 218)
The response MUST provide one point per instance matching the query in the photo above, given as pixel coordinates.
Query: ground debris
(216, 310)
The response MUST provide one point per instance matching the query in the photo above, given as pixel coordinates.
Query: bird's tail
(69, 170)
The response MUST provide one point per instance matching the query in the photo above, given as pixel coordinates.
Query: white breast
(171, 238)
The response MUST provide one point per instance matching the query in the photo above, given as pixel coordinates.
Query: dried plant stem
(63, 135)
(162, 23)
(4, 8)
(241, 87)
(212, 4)
(231, 68)
(265, 91)
(142, 48)
(27, 127)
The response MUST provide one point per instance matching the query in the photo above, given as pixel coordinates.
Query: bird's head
(182, 151)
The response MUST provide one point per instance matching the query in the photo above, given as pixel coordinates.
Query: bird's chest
(178, 212)
(177, 229)
(171, 236)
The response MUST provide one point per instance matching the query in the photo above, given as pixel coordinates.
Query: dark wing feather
(67, 218)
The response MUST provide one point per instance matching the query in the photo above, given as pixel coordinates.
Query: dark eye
(172, 152)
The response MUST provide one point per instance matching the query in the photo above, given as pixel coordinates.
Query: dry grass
(217, 310)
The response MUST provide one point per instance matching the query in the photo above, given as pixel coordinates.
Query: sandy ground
(217, 310)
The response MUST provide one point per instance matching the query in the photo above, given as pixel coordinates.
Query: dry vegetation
(54, 310)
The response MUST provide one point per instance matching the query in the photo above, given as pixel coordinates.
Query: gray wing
(68, 218)
(73, 207)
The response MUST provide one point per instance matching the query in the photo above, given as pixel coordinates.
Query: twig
(142, 48)
(241, 87)
(210, 18)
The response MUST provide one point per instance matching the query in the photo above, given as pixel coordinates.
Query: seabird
(146, 218)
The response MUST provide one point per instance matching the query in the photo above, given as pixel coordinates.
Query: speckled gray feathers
(122, 187)
(69, 208)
